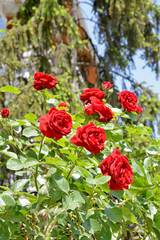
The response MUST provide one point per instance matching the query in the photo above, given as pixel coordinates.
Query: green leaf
(27, 195)
(2, 203)
(13, 123)
(14, 164)
(56, 161)
(53, 101)
(20, 173)
(30, 117)
(10, 89)
(20, 184)
(153, 150)
(61, 182)
(108, 126)
(44, 149)
(9, 201)
(105, 233)
(116, 134)
(83, 171)
(92, 225)
(116, 111)
(136, 168)
(69, 203)
(157, 232)
(17, 129)
(30, 132)
(99, 180)
(23, 202)
(9, 154)
(30, 162)
(128, 215)
(43, 191)
(157, 221)
(78, 197)
(114, 214)
(4, 232)
(117, 193)
(79, 118)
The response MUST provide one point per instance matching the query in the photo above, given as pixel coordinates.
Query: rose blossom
(97, 106)
(91, 137)
(63, 104)
(128, 100)
(55, 124)
(138, 109)
(44, 81)
(118, 167)
(92, 92)
(5, 113)
(107, 85)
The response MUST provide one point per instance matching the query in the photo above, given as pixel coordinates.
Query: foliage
(61, 193)
(126, 26)
(35, 41)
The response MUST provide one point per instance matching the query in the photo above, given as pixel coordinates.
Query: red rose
(5, 113)
(97, 106)
(63, 104)
(55, 124)
(128, 100)
(107, 85)
(118, 167)
(91, 137)
(89, 110)
(44, 81)
(138, 109)
(91, 92)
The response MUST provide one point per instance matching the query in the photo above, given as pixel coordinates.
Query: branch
(128, 78)
(88, 19)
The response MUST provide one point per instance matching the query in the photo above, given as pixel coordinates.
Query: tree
(41, 38)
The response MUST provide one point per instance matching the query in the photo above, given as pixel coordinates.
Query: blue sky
(140, 74)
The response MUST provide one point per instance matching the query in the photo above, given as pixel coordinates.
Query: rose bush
(90, 175)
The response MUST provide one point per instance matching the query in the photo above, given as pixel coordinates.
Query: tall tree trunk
(74, 10)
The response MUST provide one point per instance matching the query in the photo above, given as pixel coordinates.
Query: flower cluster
(58, 123)
(97, 106)
(93, 100)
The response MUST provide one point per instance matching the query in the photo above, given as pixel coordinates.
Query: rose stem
(73, 165)
(36, 172)
(45, 103)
